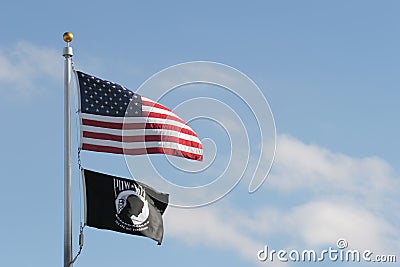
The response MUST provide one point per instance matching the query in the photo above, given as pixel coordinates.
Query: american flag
(116, 120)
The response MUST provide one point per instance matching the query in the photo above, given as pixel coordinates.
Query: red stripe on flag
(113, 125)
(136, 126)
(142, 151)
(152, 104)
(141, 138)
(162, 116)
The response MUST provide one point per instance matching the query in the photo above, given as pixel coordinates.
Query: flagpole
(67, 53)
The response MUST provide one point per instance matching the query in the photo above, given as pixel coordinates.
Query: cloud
(313, 197)
(300, 167)
(210, 226)
(26, 68)
(319, 223)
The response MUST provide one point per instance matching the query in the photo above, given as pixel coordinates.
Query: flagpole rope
(81, 239)
(77, 122)
(80, 186)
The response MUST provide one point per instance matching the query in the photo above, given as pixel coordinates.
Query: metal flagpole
(67, 53)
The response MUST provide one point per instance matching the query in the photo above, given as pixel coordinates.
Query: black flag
(123, 205)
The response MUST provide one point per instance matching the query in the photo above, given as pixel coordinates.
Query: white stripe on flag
(138, 145)
(139, 132)
(134, 120)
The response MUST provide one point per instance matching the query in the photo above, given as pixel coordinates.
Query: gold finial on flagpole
(68, 37)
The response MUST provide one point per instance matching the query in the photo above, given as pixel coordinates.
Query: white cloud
(331, 196)
(299, 166)
(210, 226)
(25, 68)
(319, 223)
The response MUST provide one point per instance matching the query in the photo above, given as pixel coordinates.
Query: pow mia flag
(123, 205)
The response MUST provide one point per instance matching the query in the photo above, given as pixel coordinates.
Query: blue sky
(329, 71)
